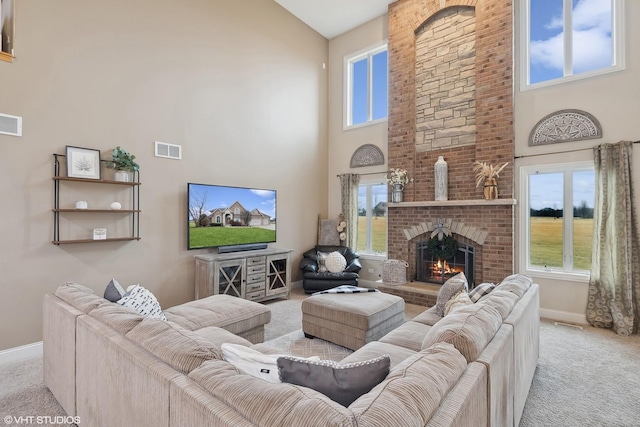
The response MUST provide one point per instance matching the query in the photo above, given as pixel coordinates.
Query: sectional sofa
(472, 367)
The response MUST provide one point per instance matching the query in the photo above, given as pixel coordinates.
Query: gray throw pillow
(481, 290)
(341, 383)
(448, 289)
(114, 291)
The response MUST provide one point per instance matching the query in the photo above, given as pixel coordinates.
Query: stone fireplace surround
(493, 144)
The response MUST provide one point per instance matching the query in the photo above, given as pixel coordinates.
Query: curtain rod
(561, 152)
(368, 173)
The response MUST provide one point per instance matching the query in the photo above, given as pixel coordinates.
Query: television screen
(228, 216)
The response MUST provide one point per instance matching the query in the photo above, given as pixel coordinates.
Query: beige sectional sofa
(471, 368)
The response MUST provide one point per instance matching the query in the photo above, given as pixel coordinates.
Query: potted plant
(124, 164)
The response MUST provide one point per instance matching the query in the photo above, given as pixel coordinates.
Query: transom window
(558, 217)
(372, 218)
(366, 79)
(570, 39)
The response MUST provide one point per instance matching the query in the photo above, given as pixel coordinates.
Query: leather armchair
(314, 280)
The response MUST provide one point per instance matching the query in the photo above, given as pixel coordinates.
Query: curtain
(349, 196)
(614, 286)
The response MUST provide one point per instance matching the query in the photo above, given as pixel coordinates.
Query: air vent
(170, 151)
(10, 125)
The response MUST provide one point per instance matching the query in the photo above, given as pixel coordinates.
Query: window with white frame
(366, 77)
(372, 218)
(557, 214)
(570, 39)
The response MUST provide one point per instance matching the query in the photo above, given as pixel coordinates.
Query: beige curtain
(349, 193)
(614, 286)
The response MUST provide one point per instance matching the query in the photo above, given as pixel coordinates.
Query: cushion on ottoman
(351, 320)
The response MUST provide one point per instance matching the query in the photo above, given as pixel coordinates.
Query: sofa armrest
(307, 264)
(353, 266)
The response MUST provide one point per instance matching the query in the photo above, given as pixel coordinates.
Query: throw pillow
(448, 289)
(459, 300)
(143, 301)
(253, 362)
(341, 383)
(322, 262)
(481, 290)
(335, 262)
(114, 291)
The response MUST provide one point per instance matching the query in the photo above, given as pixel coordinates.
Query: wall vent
(170, 151)
(10, 125)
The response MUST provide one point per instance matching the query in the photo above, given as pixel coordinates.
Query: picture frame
(83, 162)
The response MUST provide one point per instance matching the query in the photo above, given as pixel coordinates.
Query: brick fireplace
(450, 94)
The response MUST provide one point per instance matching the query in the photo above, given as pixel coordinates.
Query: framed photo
(83, 163)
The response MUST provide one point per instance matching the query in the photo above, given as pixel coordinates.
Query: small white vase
(441, 171)
(122, 176)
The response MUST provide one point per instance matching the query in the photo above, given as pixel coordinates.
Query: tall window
(366, 87)
(570, 39)
(372, 218)
(558, 214)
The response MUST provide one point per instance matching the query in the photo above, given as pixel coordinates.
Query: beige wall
(239, 84)
(613, 100)
(343, 143)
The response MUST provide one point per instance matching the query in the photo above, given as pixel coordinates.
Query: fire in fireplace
(430, 268)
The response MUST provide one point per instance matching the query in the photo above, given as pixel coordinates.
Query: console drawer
(255, 295)
(252, 269)
(255, 260)
(252, 287)
(256, 278)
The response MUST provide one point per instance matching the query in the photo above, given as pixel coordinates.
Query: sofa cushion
(143, 301)
(481, 290)
(266, 404)
(459, 300)
(408, 335)
(114, 291)
(371, 350)
(516, 283)
(413, 390)
(342, 383)
(181, 349)
(469, 329)
(428, 317)
(501, 300)
(120, 318)
(80, 297)
(448, 290)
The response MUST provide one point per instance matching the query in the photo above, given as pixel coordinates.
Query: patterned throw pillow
(341, 383)
(448, 290)
(335, 262)
(322, 262)
(481, 290)
(143, 301)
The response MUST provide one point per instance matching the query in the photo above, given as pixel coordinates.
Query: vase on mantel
(396, 193)
(441, 171)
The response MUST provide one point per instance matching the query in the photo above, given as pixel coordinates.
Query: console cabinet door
(278, 274)
(229, 278)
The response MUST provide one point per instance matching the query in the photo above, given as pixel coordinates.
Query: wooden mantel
(446, 203)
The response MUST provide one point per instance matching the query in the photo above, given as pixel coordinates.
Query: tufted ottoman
(351, 320)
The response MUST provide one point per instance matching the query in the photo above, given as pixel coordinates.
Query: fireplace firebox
(431, 269)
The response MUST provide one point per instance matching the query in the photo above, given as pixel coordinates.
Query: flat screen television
(230, 218)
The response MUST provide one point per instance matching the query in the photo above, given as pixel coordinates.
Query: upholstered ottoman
(351, 320)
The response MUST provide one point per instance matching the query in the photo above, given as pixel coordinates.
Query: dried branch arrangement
(485, 172)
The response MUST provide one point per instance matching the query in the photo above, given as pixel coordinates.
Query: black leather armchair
(314, 280)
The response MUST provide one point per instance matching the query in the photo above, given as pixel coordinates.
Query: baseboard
(22, 352)
(563, 316)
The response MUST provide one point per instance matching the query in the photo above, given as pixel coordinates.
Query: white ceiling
(334, 17)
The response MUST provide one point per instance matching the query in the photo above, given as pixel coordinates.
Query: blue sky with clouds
(222, 197)
(592, 43)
